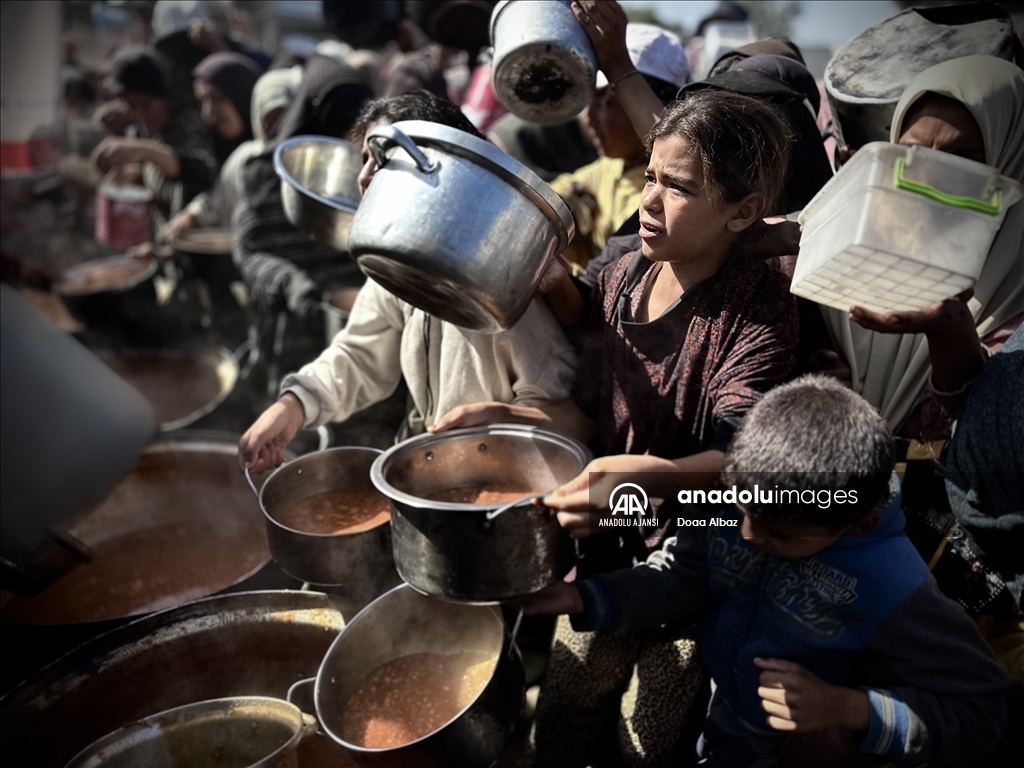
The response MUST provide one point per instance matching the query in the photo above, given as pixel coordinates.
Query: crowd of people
(667, 340)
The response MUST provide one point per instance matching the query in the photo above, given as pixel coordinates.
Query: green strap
(899, 181)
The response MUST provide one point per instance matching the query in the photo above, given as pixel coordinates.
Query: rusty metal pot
(243, 731)
(403, 622)
(249, 644)
(462, 551)
(361, 563)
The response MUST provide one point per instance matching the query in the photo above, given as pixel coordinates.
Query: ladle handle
(383, 133)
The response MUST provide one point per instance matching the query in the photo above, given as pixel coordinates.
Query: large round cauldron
(182, 526)
(249, 644)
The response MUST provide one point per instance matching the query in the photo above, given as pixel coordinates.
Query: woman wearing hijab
(282, 267)
(177, 157)
(916, 367)
(223, 84)
(271, 95)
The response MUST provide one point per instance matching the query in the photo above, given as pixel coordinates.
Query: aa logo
(629, 499)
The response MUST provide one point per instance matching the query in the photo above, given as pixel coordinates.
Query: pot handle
(385, 133)
(248, 479)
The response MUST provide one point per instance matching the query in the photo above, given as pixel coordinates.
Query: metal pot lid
(501, 164)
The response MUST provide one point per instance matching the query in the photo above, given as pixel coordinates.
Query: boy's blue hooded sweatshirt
(870, 593)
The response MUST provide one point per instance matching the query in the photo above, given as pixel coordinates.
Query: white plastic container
(900, 228)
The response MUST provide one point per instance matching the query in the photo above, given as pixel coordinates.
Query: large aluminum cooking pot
(401, 623)
(182, 525)
(545, 67)
(461, 551)
(249, 644)
(360, 563)
(319, 186)
(241, 731)
(455, 226)
(181, 385)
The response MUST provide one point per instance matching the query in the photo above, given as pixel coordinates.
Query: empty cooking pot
(319, 186)
(545, 67)
(401, 624)
(360, 561)
(239, 732)
(462, 551)
(456, 227)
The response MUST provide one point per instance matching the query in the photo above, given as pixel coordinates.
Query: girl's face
(682, 217)
(614, 135)
(218, 112)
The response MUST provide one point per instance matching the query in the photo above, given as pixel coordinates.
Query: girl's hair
(742, 142)
(418, 105)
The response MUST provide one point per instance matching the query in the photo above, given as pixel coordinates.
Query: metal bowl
(319, 186)
(461, 551)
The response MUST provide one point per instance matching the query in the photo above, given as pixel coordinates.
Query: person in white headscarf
(271, 96)
(915, 367)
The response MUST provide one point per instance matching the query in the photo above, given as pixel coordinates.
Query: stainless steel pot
(181, 385)
(455, 226)
(461, 551)
(249, 644)
(545, 67)
(242, 731)
(403, 622)
(319, 186)
(361, 562)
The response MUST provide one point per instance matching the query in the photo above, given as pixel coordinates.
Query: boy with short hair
(788, 604)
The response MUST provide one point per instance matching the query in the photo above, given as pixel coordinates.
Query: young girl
(684, 338)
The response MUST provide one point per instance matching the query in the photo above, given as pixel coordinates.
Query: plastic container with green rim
(900, 228)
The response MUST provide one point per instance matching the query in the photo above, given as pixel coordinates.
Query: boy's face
(793, 539)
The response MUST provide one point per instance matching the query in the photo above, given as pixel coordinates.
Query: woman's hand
(942, 317)
(954, 349)
(798, 701)
(183, 222)
(262, 446)
(605, 24)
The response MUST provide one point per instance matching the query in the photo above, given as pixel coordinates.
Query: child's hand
(556, 599)
(799, 701)
(488, 413)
